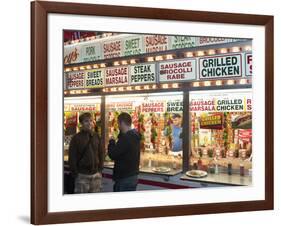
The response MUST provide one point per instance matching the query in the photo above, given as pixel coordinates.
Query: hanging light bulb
(189, 54)
(158, 58)
(196, 84)
(223, 50)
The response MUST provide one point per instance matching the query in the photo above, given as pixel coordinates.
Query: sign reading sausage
(153, 106)
(142, 74)
(94, 78)
(181, 70)
(221, 66)
(84, 107)
(156, 43)
(221, 102)
(120, 106)
(115, 76)
(112, 49)
(75, 79)
(249, 64)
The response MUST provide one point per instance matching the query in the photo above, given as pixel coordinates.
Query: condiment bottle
(199, 163)
(195, 166)
(174, 164)
(149, 162)
(229, 169)
(242, 170)
(216, 169)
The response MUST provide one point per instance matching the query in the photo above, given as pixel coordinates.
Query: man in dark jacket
(126, 155)
(86, 157)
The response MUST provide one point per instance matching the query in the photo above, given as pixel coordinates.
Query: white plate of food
(196, 173)
(161, 169)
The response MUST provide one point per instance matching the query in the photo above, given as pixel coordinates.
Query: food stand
(189, 98)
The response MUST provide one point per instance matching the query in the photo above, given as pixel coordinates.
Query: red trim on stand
(154, 183)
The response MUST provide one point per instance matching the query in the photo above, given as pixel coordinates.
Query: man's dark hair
(176, 115)
(126, 118)
(85, 115)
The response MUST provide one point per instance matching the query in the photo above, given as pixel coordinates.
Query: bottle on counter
(174, 163)
(199, 164)
(242, 170)
(216, 169)
(149, 162)
(211, 168)
(229, 169)
(195, 166)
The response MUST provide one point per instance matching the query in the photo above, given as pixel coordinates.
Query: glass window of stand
(221, 131)
(158, 118)
(73, 108)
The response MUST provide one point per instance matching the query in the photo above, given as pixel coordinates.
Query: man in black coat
(126, 155)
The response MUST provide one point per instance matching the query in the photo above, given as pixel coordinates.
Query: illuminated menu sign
(155, 43)
(120, 106)
(202, 41)
(142, 74)
(91, 51)
(180, 70)
(249, 64)
(94, 78)
(213, 121)
(180, 42)
(75, 79)
(133, 45)
(175, 106)
(221, 66)
(72, 54)
(116, 76)
(112, 48)
(153, 106)
(84, 107)
(224, 102)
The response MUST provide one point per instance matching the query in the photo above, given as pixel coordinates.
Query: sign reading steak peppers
(142, 74)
